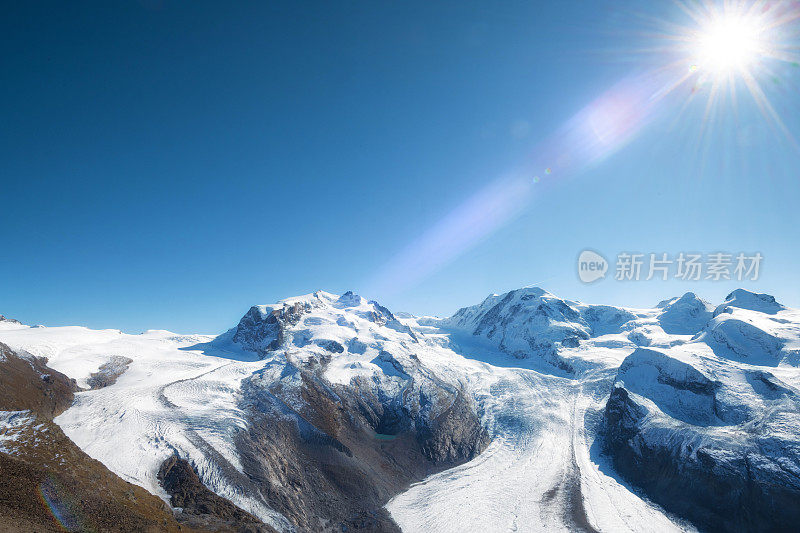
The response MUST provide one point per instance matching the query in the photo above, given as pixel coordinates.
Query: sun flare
(727, 47)
(730, 44)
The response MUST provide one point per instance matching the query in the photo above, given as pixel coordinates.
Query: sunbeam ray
(727, 43)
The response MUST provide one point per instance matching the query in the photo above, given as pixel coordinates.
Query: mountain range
(324, 412)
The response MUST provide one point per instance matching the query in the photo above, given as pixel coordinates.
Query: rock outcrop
(199, 507)
(718, 446)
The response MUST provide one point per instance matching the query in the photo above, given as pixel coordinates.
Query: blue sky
(169, 164)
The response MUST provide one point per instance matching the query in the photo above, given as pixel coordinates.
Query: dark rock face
(384, 317)
(201, 508)
(328, 455)
(330, 345)
(262, 331)
(108, 372)
(454, 436)
(331, 462)
(719, 484)
(571, 342)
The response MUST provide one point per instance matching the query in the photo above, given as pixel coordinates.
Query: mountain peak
(685, 298)
(685, 315)
(320, 318)
(350, 299)
(744, 299)
(535, 291)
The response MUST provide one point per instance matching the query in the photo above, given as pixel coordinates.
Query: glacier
(525, 412)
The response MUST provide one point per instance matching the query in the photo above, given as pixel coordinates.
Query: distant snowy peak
(687, 298)
(10, 323)
(532, 320)
(685, 315)
(741, 339)
(743, 299)
(482, 316)
(750, 328)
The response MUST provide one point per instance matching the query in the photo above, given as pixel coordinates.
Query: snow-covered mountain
(309, 415)
(686, 315)
(526, 412)
(532, 322)
(717, 418)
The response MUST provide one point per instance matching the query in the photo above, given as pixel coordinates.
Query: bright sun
(730, 43)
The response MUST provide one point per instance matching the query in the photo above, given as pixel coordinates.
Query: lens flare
(64, 517)
(726, 44)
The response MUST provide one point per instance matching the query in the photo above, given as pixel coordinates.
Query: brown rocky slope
(47, 483)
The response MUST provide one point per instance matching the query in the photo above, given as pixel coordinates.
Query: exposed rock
(199, 507)
(454, 436)
(332, 461)
(679, 389)
(28, 384)
(108, 372)
(330, 345)
(328, 454)
(349, 406)
(263, 328)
